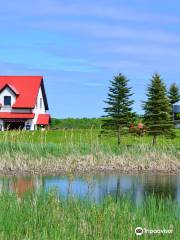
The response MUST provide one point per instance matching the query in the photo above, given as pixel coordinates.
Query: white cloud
(108, 30)
(100, 9)
(95, 84)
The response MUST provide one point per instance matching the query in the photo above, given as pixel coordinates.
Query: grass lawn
(77, 137)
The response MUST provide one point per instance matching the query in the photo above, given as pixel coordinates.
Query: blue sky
(78, 46)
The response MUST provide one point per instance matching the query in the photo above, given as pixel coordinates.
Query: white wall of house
(2, 125)
(39, 108)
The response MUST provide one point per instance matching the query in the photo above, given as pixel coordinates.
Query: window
(7, 100)
(40, 102)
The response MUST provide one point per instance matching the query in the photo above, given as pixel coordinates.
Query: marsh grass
(84, 150)
(46, 216)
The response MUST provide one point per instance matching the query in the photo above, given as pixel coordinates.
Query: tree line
(158, 114)
(76, 123)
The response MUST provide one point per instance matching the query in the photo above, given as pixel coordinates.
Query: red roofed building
(23, 103)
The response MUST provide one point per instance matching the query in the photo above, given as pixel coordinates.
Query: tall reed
(45, 216)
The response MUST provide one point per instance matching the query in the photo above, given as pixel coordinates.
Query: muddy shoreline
(151, 163)
(90, 171)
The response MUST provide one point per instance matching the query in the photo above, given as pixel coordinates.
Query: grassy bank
(80, 150)
(43, 216)
(82, 136)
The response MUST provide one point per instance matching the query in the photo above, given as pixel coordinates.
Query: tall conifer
(157, 108)
(119, 107)
(174, 94)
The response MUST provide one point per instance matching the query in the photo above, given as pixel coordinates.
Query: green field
(76, 123)
(44, 216)
(83, 136)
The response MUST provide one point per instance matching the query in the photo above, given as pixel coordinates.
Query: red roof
(7, 115)
(43, 119)
(26, 89)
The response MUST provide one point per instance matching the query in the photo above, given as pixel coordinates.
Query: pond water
(98, 186)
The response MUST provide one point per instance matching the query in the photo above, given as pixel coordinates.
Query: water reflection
(99, 186)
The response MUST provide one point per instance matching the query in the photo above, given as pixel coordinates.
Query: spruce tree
(157, 108)
(119, 107)
(174, 94)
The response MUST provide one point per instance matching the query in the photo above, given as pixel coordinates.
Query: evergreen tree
(119, 107)
(174, 94)
(157, 108)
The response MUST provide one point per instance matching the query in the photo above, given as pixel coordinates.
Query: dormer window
(7, 100)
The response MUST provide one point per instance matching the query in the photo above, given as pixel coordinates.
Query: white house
(176, 111)
(23, 103)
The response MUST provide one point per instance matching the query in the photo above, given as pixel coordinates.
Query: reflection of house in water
(21, 184)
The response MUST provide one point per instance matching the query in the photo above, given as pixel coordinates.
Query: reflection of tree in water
(106, 186)
(111, 186)
(160, 186)
(139, 187)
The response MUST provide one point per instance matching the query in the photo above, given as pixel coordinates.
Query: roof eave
(44, 95)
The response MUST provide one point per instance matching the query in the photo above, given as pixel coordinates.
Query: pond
(96, 187)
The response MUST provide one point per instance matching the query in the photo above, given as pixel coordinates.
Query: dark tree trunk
(118, 136)
(154, 140)
(117, 189)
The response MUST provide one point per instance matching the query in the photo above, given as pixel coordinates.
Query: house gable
(12, 88)
(40, 102)
(7, 92)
